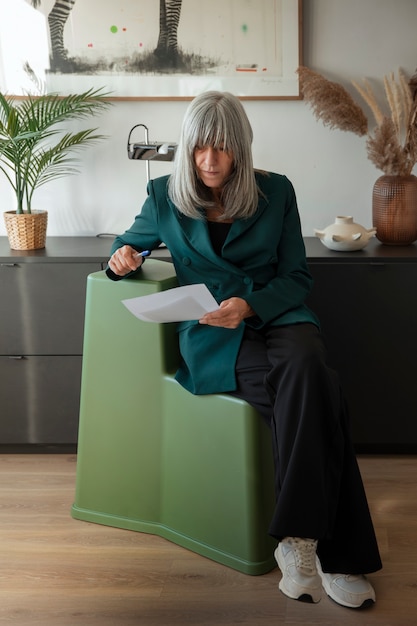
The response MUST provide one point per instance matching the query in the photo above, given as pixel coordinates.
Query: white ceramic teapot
(344, 235)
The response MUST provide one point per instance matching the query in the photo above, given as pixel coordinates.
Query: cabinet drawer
(39, 399)
(42, 307)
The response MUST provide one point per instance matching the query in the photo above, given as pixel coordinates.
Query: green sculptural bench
(152, 457)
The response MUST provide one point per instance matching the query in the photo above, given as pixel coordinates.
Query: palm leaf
(34, 145)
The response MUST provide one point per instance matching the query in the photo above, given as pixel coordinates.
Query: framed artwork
(151, 49)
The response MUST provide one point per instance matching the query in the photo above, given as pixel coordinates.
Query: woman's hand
(125, 260)
(230, 314)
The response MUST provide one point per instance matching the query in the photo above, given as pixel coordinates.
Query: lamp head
(149, 151)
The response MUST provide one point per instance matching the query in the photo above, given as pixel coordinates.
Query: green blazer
(263, 261)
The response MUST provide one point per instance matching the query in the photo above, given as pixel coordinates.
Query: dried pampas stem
(412, 83)
(392, 146)
(406, 93)
(331, 103)
(389, 85)
(368, 95)
(385, 151)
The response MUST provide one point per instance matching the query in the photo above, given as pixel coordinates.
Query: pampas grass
(392, 143)
(331, 103)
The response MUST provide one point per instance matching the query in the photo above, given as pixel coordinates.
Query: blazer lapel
(240, 227)
(196, 232)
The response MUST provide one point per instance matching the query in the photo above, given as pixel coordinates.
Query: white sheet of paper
(190, 302)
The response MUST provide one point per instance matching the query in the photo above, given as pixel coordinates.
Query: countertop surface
(85, 249)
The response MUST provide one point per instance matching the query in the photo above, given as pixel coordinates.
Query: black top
(218, 232)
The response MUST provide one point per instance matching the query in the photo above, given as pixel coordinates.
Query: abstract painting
(151, 49)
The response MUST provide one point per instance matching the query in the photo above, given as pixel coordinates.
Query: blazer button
(186, 260)
(247, 280)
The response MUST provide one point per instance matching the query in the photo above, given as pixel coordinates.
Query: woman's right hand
(125, 260)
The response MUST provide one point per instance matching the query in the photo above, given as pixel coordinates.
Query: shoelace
(305, 553)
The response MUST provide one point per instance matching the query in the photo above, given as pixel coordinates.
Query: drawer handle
(17, 357)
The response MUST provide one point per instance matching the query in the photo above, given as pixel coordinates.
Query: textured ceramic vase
(394, 209)
(345, 235)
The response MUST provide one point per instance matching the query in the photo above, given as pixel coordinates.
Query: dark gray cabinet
(41, 337)
(367, 305)
(366, 302)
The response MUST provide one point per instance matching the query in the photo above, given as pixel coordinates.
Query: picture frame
(249, 47)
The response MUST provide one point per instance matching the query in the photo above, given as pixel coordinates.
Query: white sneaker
(296, 559)
(348, 590)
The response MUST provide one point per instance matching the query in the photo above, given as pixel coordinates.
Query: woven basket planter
(26, 231)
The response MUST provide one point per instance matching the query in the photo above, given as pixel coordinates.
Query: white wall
(343, 40)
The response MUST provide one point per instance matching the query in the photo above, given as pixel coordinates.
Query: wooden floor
(61, 572)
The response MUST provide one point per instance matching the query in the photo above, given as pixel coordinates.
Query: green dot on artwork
(113, 29)
(245, 28)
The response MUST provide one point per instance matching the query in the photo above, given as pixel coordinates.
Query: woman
(238, 231)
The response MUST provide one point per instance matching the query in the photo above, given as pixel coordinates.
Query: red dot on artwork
(90, 45)
(124, 29)
(140, 45)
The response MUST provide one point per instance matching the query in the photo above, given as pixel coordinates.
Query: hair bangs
(211, 129)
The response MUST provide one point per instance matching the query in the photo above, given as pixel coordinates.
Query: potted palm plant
(35, 148)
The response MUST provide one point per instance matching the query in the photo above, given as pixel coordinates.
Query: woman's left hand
(230, 314)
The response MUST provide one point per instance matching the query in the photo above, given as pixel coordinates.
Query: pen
(143, 253)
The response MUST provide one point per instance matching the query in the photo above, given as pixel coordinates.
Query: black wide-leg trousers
(282, 372)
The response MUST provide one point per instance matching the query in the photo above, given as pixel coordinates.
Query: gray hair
(216, 119)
